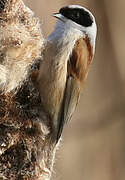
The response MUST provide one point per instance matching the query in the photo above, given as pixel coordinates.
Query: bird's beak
(58, 16)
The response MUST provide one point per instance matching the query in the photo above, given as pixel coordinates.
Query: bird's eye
(75, 15)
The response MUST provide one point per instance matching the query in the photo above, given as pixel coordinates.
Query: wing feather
(77, 70)
(70, 101)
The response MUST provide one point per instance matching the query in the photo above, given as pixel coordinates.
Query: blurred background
(93, 146)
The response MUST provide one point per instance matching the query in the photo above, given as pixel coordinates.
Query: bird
(68, 53)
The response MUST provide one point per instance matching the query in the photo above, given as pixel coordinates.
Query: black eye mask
(80, 16)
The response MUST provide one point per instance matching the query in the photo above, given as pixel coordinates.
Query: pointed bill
(58, 16)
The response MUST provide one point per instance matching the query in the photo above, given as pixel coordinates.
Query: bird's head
(79, 18)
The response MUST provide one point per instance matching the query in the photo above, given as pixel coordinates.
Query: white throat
(65, 36)
(68, 32)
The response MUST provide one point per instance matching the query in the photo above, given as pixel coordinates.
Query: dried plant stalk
(26, 150)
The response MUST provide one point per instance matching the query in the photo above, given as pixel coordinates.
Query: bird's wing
(70, 101)
(77, 69)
